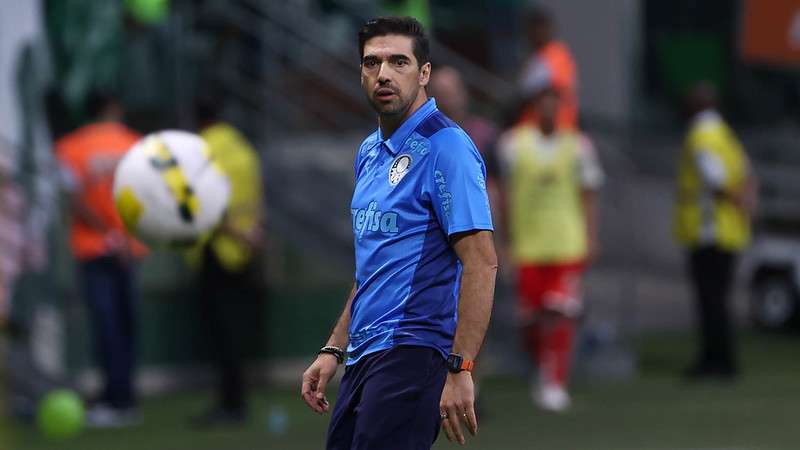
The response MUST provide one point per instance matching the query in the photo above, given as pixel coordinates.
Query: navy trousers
(389, 400)
(112, 299)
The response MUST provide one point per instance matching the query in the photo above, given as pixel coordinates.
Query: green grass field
(656, 410)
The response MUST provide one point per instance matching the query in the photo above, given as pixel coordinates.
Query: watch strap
(333, 350)
(457, 363)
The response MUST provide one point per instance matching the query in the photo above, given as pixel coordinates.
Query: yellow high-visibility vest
(240, 162)
(547, 223)
(700, 217)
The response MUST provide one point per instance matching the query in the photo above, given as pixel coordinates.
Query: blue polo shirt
(413, 191)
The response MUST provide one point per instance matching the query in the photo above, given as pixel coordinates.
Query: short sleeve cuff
(471, 227)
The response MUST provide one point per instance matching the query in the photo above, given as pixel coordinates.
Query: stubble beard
(388, 109)
(393, 109)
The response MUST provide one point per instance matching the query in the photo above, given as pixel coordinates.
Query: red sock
(534, 342)
(556, 355)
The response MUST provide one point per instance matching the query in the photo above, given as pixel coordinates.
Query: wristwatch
(333, 350)
(457, 363)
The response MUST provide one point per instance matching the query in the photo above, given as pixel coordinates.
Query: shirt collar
(395, 142)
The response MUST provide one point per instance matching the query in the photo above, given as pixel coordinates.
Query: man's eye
(370, 63)
(402, 62)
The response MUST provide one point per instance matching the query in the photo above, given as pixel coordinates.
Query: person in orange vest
(106, 253)
(552, 176)
(550, 65)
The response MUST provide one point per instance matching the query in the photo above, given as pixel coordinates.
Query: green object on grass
(61, 414)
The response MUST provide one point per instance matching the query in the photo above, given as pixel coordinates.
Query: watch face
(454, 363)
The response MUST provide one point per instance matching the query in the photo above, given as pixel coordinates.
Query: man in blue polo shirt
(425, 263)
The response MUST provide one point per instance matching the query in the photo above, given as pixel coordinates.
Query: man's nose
(383, 73)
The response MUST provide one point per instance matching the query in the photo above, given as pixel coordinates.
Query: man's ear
(425, 74)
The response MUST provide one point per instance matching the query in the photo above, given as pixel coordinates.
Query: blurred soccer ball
(60, 415)
(168, 190)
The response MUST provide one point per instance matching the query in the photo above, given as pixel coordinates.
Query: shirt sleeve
(590, 172)
(457, 184)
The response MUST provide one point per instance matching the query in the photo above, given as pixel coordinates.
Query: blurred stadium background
(289, 74)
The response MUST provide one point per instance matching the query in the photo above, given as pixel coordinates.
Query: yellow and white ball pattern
(168, 190)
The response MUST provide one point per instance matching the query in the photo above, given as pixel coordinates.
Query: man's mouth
(384, 94)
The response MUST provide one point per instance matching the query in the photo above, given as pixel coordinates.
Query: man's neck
(390, 123)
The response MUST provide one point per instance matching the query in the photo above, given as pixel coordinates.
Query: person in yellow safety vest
(552, 177)
(715, 199)
(227, 260)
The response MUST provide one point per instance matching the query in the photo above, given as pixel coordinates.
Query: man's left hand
(458, 405)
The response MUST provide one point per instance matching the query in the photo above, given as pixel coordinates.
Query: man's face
(390, 74)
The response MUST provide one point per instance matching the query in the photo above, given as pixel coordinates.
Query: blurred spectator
(552, 177)
(28, 205)
(715, 200)
(452, 98)
(227, 263)
(107, 255)
(25, 285)
(550, 65)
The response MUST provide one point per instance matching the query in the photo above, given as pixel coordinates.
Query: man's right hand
(315, 379)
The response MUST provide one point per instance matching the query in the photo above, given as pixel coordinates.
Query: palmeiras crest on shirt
(399, 169)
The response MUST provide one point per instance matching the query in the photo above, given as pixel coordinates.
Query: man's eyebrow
(394, 57)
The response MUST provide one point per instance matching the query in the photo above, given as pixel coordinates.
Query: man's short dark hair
(404, 26)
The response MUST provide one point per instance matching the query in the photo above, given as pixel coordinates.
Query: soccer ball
(168, 190)
(60, 414)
